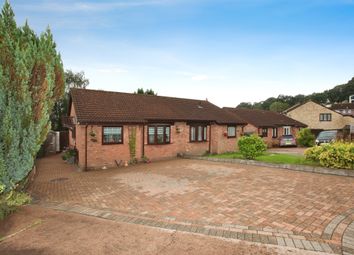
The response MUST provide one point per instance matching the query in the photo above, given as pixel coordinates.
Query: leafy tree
(278, 106)
(267, 103)
(75, 80)
(305, 138)
(338, 94)
(31, 80)
(245, 105)
(72, 80)
(146, 92)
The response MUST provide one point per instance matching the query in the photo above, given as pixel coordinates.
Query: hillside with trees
(338, 94)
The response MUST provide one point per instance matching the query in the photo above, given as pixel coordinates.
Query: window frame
(156, 126)
(111, 143)
(325, 117)
(276, 132)
(204, 135)
(287, 128)
(231, 136)
(263, 129)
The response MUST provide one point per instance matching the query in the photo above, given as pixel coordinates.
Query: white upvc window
(287, 130)
(231, 131)
(275, 132)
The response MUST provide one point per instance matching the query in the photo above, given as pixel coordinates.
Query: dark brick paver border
(246, 233)
(344, 218)
(348, 240)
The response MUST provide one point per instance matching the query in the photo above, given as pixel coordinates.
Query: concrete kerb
(302, 168)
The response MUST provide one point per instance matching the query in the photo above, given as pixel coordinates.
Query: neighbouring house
(344, 108)
(267, 124)
(107, 128)
(319, 117)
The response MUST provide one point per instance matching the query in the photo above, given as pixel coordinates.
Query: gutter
(143, 148)
(86, 147)
(210, 138)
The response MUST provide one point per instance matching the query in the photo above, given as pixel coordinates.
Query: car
(287, 140)
(327, 136)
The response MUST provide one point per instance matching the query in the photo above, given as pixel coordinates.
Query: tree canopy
(72, 80)
(337, 94)
(146, 92)
(278, 106)
(75, 80)
(31, 81)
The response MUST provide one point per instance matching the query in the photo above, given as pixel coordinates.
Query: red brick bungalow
(106, 127)
(267, 124)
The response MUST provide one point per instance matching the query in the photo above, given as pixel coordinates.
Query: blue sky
(223, 50)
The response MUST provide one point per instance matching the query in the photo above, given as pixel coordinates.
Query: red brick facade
(99, 155)
(269, 139)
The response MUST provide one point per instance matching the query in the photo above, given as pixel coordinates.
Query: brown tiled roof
(96, 106)
(343, 106)
(263, 118)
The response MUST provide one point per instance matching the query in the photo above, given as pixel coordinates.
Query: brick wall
(179, 144)
(220, 143)
(99, 155)
(269, 140)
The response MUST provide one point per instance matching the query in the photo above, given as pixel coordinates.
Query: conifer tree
(31, 81)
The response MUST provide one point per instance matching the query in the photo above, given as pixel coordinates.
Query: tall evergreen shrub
(31, 80)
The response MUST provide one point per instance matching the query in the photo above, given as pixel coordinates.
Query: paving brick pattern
(289, 203)
(244, 233)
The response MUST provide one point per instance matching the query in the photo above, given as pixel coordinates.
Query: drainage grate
(59, 179)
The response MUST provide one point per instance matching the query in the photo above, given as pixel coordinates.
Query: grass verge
(276, 158)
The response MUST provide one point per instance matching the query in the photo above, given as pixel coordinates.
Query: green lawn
(276, 158)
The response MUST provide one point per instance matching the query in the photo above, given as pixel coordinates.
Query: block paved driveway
(249, 199)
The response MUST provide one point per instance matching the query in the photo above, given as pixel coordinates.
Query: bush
(315, 152)
(11, 200)
(305, 138)
(69, 154)
(251, 146)
(336, 155)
